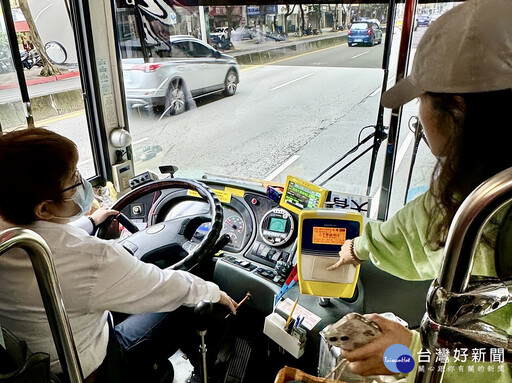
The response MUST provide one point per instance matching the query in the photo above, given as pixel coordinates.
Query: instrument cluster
(253, 221)
(234, 224)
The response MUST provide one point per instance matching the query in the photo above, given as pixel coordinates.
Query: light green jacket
(396, 246)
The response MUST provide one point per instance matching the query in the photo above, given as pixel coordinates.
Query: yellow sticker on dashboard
(237, 192)
(222, 195)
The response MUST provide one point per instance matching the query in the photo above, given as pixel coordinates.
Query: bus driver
(43, 193)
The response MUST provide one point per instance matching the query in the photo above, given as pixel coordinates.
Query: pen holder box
(274, 329)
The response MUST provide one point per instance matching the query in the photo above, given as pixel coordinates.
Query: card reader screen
(301, 196)
(329, 235)
(277, 224)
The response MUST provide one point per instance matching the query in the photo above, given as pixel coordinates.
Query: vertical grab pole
(44, 269)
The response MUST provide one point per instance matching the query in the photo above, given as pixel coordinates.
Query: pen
(291, 313)
(247, 296)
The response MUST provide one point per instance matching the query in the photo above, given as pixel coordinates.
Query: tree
(229, 15)
(49, 69)
(302, 19)
(288, 13)
(335, 17)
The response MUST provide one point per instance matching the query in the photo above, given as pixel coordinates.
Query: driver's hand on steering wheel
(227, 301)
(101, 214)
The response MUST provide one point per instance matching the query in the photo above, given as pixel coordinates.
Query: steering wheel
(172, 237)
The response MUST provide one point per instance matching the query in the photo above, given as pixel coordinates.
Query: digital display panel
(329, 235)
(301, 196)
(277, 224)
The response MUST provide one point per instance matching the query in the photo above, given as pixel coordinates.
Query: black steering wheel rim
(215, 211)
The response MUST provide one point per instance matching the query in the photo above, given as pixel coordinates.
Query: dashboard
(261, 251)
(262, 235)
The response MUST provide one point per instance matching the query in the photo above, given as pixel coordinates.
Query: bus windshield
(258, 92)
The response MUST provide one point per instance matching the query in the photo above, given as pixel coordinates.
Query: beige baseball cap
(466, 50)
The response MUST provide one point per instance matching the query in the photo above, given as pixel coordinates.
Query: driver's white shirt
(95, 276)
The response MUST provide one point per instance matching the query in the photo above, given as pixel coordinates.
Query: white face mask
(83, 197)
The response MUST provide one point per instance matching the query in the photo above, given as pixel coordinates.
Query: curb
(286, 49)
(41, 80)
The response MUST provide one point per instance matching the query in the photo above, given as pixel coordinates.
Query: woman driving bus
(96, 276)
(462, 75)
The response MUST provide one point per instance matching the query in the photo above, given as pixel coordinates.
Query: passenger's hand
(101, 214)
(227, 301)
(369, 359)
(347, 256)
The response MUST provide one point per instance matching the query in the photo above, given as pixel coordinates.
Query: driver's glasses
(78, 181)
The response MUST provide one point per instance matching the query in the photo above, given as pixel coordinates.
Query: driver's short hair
(34, 164)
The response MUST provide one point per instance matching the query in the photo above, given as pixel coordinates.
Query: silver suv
(190, 68)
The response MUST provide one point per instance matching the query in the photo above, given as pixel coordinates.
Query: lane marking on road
(283, 166)
(60, 118)
(360, 54)
(256, 66)
(291, 82)
(399, 157)
(140, 141)
(378, 90)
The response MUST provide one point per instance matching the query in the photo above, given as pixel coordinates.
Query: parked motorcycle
(276, 36)
(222, 44)
(30, 58)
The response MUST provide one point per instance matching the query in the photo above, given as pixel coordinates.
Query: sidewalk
(256, 52)
(32, 77)
(246, 47)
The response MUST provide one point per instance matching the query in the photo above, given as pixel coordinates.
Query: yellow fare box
(322, 232)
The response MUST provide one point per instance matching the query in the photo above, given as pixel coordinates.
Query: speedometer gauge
(234, 224)
(234, 227)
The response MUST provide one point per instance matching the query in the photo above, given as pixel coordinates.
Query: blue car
(423, 20)
(364, 32)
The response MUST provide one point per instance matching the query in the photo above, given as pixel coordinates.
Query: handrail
(44, 269)
(454, 280)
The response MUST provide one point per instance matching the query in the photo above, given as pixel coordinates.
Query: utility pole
(202, 23)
